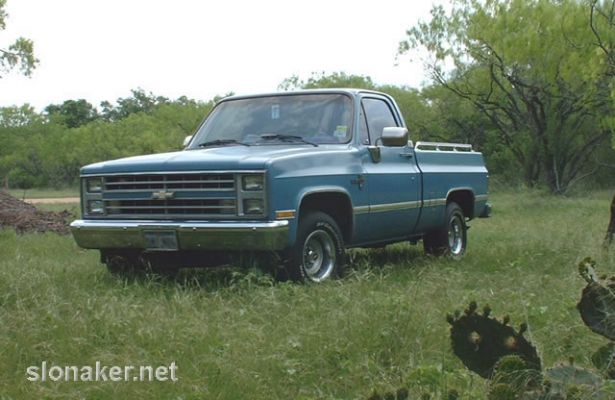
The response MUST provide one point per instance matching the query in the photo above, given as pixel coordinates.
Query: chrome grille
(162, 196)
(171, 181)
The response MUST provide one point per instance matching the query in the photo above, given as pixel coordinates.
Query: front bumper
(190, 235)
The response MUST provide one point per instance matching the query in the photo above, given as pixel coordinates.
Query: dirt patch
(25, 217)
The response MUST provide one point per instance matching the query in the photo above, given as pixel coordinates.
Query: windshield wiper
(221, 142)
(286, 138)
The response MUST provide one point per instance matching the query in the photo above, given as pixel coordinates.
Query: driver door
(393, 181)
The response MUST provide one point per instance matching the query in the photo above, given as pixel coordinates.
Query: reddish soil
(24, 217)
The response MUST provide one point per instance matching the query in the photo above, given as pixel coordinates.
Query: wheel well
(336, 205)
(465, 199)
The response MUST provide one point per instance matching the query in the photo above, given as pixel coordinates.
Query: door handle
(406, 155)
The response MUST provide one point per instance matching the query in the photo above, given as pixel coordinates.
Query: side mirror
(187, 140)
(395, 137)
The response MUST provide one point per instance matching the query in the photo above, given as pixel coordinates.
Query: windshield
(302, 119)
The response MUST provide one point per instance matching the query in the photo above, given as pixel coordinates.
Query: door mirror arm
(374, 152)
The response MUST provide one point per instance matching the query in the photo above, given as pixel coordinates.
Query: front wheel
(318, 253)
(122, 262)
(450, 240)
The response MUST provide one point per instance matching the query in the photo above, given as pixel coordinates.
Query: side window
(379, 116)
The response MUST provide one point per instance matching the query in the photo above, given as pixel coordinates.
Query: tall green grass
(235, 334)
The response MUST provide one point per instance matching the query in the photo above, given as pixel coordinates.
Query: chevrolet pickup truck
(298, 175)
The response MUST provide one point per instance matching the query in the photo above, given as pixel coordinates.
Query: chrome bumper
(190, 235)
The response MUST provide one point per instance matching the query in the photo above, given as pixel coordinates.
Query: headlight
(252, 182)
(96, 207)
(253, 206)
(94, 185)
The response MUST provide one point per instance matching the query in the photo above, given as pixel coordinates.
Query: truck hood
(229, 158)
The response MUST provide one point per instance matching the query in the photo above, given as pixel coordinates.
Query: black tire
(134, 263)
(153, 266)
(452, 239)
(122, 263)
(318, 253)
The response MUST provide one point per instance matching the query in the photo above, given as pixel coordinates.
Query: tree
(140, 101)
(528, 66)
(13, 122)
(24, 144)
(29, 141)
(72, 113)
(11, 117)
(416, 110)
(321, 80)
(20, 54)
(602, 24)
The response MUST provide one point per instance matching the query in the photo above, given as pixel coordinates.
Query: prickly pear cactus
(604, 360)
(571, 382)
(597, 304)
(513, 371)
(502, 391)
(480, 341)
(400, 394)
(511, 380)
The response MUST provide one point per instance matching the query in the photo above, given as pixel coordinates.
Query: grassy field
(44, 193)
(236, 335)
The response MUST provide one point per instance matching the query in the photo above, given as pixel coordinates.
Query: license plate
(161, 240)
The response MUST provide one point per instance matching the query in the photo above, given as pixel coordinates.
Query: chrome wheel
(456, 233)
(452, 238)
(318, 256)
(318, 252)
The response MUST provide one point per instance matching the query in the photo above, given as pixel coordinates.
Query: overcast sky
(100, 49)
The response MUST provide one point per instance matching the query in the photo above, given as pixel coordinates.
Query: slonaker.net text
(101, 373)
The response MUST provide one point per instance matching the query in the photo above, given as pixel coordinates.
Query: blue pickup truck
(296, 177)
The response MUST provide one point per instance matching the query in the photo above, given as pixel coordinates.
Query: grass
(235, 334)
(44, 193)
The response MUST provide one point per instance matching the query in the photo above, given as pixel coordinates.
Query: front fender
(320, 189)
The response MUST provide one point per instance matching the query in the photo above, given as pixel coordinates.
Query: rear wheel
(452, 239)
(318, 253)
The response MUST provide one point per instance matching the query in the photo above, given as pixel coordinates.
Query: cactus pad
(604, 360)
(502, 391)
(480, 341)
(567, 379)
(597, 304)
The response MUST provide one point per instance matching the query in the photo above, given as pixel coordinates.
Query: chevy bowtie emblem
(163, 195)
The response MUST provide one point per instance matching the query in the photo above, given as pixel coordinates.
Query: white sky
(100, 49)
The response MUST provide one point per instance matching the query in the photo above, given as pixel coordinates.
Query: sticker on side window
(340, 131)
